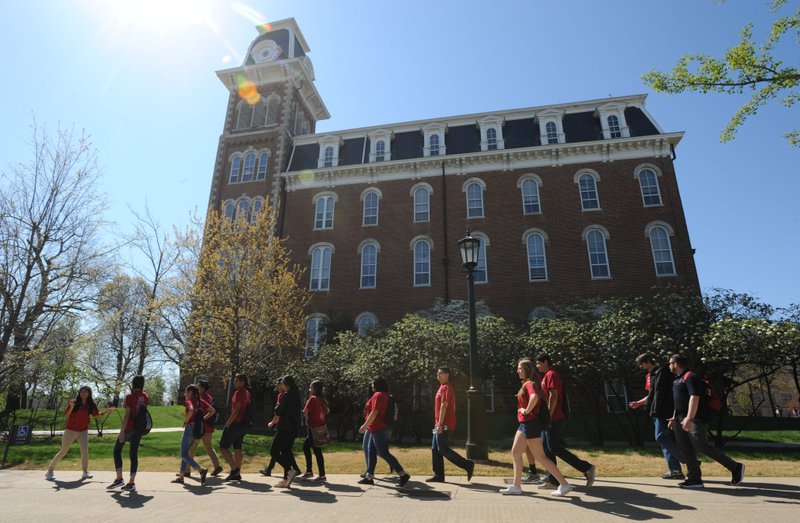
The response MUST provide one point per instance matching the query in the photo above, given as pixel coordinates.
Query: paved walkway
(26, 496)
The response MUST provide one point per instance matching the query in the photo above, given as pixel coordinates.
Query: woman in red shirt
(77, 414)
(378, 434)
(529, 433)
(194, 406)
(316, 412)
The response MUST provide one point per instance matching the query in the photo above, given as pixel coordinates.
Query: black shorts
(232, 436)
(531, 429)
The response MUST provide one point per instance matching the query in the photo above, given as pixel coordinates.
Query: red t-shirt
(647, 382)
(550, 382)
(79, 419)
(190, 405)
(523, 400)
(315, 412)
(445, 394)
(379, 402)
(242, 398)
(208, 399)
(133, 401)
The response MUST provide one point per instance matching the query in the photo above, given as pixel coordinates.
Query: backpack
(142, 421)
(199, 426)
(392, 412)
(215, 418)
(713, 401)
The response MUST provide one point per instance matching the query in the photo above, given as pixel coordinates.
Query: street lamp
(476, 441)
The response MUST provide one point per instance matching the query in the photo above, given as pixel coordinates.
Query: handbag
(320, 436)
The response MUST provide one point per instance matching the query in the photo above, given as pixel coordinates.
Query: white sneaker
(511, 490)
(50, 476)
(590, 475)
(562, 490)
(284, 483)
(87, 475)
(290, 476)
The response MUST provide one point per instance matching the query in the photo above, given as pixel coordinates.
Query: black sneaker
(434, 479)
(403, 480)
(738, 474)
(366, 481)
(203, 473)
(234, 476)
(116, 483)
(470, 469)
(266, 472)
(217, 471)
(691, 483)
(129, 487)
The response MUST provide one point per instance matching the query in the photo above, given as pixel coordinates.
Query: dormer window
(380, 146)
(433, 135)
(329, 152)
(328, 157)
(380, 151)
(612, 120)
(433, 148)
(613, 126)
(552, 133)
(491, 133)
(551, 127)
(491, 138)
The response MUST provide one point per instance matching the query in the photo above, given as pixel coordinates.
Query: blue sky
(138, 75)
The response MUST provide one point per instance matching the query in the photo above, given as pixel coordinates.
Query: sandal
(177, 480)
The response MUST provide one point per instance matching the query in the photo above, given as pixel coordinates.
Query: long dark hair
(289, 382)
(89, 401)
(379, 384)
(318, 392)
(194, 391)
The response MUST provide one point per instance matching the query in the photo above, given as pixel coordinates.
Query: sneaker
(203, 474)
(590, 474)
(470, 470)
(691, 483)
(217, 471)
(290, 476)
(673, 474)
(284, 483)
(362, 475)
(562, 490)
(116, 483)
(546, 485)
(511, 490)
(320, 479)
(531, 478)
(434, 479)
(129, 487)
(738, 474)
(178, 480)
(403, 480)
(50, 476)
(366, 481)
(266, 472)
(87, 475)
(307, 475)
(234, 476)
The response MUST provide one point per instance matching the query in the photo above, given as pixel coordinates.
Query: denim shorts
(531, 429)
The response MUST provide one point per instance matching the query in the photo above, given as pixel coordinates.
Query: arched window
(263, 162)
(589, 197)
(537, 258)
(243, 210)
(316, 332)
(370, 208)
(230, 210)
(613, 127)
(598, 255)
(272, 110)
(422, 263)
(648, 181)
(369, 266)
(541, 313)
(422, 204)
(552, 132)
(328, 158)
(530, 197)
(481, 274)
(380, 151)
(249, 167)
(236, 168)
(365, 322)
(321, 268)
(662, 251)
(258, 204)
(491, 138)
(474, 200)
(324, 213)
(244, 116)
(259, 113)
(434, 145)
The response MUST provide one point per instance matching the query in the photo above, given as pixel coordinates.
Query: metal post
(476, 443)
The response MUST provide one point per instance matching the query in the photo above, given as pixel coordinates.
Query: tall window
(662, 251)
(244, 116)
(648, 181)
(380, 151)
(613, 127)
(480, 274)
(537, 259)
(588, 187)
(370, 208)
(474, 200)
(369, 266)
(491, 138)
(272, 110)
(530, 197)
(434, 145)
(263, 161)
(259, 111)
(328, 159)
(243, 210)
(249, 167)
(230, 210)
(422, 263)
(316, 332)
(258, 204)
(552, 132)
(320, 269)
(598, 256)
(324, 214)
(422, 204)
(236, 168)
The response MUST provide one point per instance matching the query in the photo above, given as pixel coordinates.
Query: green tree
(745, 67)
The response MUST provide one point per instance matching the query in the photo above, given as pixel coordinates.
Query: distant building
(571, 201)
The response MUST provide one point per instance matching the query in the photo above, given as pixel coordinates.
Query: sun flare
(162, 15)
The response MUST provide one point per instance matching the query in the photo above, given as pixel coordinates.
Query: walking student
(444, 420)
(659, 405)
(194, 406)
(77, 415)
(288, 427)
(690, 425)
(134, 401)
(235, 428)
(203, 387)
(554, 436)
(267, 471)
(316, 411)
(379, 434)
(529, 432)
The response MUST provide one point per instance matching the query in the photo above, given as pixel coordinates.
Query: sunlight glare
(162, 15)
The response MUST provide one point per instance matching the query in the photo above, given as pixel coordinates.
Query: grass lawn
(43, 419)
(160, 452)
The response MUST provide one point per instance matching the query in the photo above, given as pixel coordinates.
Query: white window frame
(527, 236)
(313, 345)
(317, 282)
(492, 122)
(365, 316)
(377, 136)
(329, 197)
(236, 166)
(414, 242)
(263, 165)
(378, 197)
(248, 167)
(603, 232)
(244, 119)
(428, 132)
(555, 116)
(256, 206)
(361, 251)
(637, 173)
(617, 109)
(334, 142)
(413, 192)
(482, 258)
(465, 187)
(229, 209)
(537, 181)
(272, 107)
(668, 231)
(614, 128)
(596, 177)
(243, 203)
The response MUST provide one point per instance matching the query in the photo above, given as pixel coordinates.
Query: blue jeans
(440, 449)
(666, 438)
(378, 445)
(186, 445)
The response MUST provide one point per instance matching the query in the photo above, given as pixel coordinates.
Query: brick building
(571, 201)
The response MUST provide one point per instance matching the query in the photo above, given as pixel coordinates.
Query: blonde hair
(527, 367)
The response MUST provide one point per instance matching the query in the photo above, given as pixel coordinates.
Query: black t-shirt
(690, 384)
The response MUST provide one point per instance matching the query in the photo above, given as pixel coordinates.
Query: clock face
(266, 51)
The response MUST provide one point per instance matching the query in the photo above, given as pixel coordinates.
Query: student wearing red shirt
(316, 412)
(234, 431)
(379, 434)
(77, 414)
(203, 387)
(444, 423)
(193, 407)
(553, 437)
(529, 432)
(133, 402)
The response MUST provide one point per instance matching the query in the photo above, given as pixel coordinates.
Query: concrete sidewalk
(26, 496)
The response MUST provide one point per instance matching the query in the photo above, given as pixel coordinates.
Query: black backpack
(247, 419)
(142, 421)
(392, 412)
(199, 425)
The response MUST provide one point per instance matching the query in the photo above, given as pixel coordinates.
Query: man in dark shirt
(690, 424)
(658, 404)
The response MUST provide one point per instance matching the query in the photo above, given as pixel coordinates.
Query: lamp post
(476, 441)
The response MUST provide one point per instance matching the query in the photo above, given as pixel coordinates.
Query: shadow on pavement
(68, 485)
(248, 485)
(339, 487)
(627, 503)
(482, 487)
(313, 496)
(768, 490)
(132, 500)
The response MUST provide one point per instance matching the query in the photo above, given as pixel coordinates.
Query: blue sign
(20, 435)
